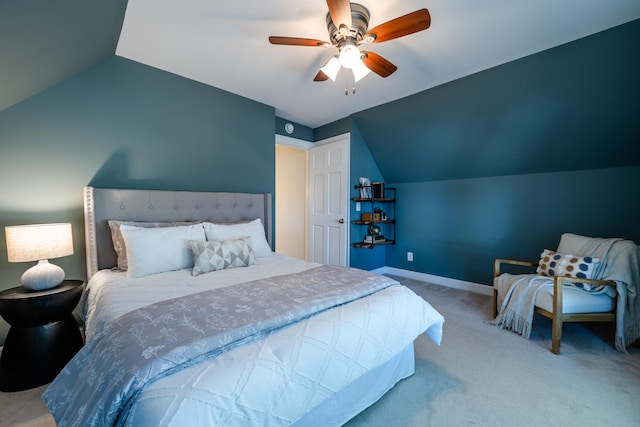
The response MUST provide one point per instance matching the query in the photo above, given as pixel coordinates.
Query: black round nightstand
(43, 335)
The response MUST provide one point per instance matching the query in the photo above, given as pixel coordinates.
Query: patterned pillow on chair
(555, 264)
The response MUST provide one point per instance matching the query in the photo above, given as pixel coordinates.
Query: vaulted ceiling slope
(43, 42)
(574, 107)
(225, 44)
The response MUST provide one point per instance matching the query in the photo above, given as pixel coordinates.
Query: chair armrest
(598, 282)
(499, 261)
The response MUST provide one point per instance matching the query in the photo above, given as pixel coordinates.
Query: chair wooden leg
(556, 334)
(495, 303)
(556, 320)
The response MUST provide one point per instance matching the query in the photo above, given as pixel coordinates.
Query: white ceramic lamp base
(41, 276)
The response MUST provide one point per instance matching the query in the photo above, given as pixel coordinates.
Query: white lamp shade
(359, 70)
(331, 68)
(349, 55)
(39, 243)
(349, 58)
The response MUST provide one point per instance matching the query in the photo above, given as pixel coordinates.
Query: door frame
(299, 143)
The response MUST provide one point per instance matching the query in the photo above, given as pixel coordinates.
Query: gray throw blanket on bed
(102, 381)
(619, 261)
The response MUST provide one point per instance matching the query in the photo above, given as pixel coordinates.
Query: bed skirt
(361, 393)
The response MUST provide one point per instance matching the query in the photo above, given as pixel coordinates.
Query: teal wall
(362, 164)
(302, 132)
(123, 124)
(338, 127)
(456, 228)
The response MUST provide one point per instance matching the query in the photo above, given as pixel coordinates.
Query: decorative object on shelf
(370, 217)
(378, 190)
(374, 239)
(374, 230)
(379, 214)
(365, 187)
(40, 242)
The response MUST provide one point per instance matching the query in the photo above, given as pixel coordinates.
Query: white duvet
(279, 379)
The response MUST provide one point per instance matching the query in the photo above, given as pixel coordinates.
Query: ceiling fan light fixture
(331, 68)
(359, 70)
(348, 27)
(349, 55)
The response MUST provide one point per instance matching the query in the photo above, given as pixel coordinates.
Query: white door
(329, 201)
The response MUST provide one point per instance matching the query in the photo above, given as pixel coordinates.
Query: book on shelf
(373, 239)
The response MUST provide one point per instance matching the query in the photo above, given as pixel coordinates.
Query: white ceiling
(225, 44)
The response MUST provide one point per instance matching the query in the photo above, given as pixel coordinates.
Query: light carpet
(479, 376)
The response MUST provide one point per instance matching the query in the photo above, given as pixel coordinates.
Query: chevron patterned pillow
(221, 254)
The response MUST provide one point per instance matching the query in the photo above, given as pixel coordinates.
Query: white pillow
(118, 243)
(253, 229)
(156, 250)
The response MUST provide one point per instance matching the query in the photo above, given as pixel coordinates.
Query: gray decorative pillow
(221, 254)
(118, 241)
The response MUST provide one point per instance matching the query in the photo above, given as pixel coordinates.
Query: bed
(236, 335)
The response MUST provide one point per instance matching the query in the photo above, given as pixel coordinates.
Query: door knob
(341, 220)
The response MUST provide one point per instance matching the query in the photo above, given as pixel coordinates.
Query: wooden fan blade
(320, 77)
(340, 11)
(378, 64)
(297, 41)
(403, 26)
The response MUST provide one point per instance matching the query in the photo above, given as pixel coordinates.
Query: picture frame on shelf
(378, 190)
(365, 187)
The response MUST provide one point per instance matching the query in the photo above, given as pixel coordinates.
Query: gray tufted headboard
(103, 204)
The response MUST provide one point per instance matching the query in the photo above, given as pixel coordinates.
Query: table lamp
(39, 242)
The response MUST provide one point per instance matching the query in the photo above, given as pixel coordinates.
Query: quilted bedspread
(319, 354)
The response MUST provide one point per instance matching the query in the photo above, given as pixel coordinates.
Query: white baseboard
(437, 280)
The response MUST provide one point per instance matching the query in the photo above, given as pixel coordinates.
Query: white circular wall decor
(288, 128)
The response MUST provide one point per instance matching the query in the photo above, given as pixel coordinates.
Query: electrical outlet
(357, 206)
(409, 256)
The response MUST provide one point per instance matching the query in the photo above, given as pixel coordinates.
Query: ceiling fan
(347, 24)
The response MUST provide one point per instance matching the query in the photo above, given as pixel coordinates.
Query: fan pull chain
(346, 86)
(354, 83)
